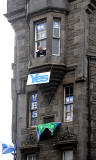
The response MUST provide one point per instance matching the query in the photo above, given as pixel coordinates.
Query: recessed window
(67, 155)
(40, 35)
(33, 109)
(31, 157)
(68, 103)
(56, 37)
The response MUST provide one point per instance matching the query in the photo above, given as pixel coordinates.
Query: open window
(40, 35)
(43, 39)
(68, 103)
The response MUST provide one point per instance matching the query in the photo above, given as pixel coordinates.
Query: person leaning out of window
(41, 52)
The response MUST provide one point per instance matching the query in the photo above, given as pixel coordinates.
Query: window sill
(45, 60)
(57, 55)
(33, 127)
(68, 121)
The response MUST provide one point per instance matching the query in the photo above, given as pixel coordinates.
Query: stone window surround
(49, 18)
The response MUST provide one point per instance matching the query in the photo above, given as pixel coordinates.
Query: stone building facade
(67, 31)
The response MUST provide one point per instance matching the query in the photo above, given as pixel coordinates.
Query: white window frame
(36, 41)
(59, 38)
(68, 103)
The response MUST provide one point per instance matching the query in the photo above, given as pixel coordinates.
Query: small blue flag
(7, 149)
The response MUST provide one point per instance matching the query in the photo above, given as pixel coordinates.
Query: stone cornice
(21, 13)
(17, 14)
(46, 10)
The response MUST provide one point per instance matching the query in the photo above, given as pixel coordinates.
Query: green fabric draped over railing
(50, 126)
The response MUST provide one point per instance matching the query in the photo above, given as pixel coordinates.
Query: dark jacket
(43, 52)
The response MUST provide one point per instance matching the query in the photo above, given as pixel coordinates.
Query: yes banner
(38, 78)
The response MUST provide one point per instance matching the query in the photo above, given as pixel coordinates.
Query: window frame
(36, 41)
(58, 38)
(66, 104)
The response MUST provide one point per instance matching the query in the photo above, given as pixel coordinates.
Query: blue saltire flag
(7, 149)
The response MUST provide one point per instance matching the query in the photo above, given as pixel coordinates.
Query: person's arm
(38, 54)
(44, 52)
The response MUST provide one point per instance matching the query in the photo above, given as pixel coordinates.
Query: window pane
(68, 116)
(56, 33)
(63, 156)
(71, 91)
(67, 92)
(71, 99)
(41, 27)
(55, 46)
(40, 35)
(68, 112)
(67, 100)
(68, 155)
(56, 28)
(31, 157)
(40, 31)
(56, 24)
(68, 107)
(43, 44)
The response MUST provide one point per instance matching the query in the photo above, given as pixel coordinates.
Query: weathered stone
(78, 39)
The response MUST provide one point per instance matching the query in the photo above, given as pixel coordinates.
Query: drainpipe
(89, 111)
(15, 155)
(27, 22)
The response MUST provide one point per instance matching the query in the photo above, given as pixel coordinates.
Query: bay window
(41, 35)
